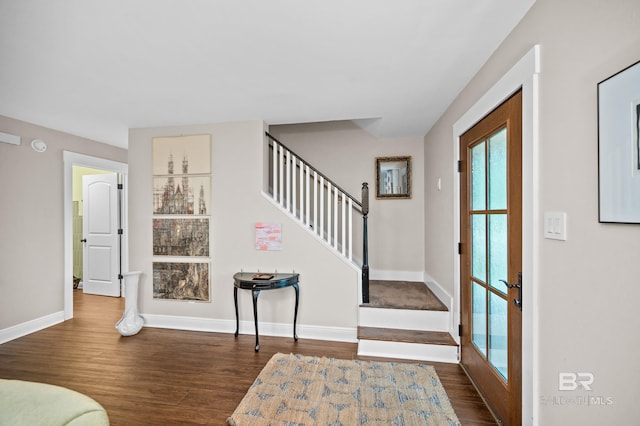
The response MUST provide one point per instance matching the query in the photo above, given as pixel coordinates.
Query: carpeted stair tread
(406, 336)
(402, 295)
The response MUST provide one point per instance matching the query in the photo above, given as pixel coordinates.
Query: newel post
(365, 244)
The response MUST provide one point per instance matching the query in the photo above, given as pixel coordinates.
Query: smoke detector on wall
(38, 145)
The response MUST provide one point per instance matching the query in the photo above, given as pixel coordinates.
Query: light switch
(555, 225)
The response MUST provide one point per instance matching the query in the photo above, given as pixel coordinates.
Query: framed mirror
(393, 177)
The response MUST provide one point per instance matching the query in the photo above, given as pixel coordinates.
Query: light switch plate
(555, 225)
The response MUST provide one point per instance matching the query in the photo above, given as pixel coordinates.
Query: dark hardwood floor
(170, 377)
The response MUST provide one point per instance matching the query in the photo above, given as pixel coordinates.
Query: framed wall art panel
(181, 281)
(619, 146)
(181, 237)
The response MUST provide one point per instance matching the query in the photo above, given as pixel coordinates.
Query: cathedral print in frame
(184, 195)
(181, 281)
(181, 237)
(181, 217)
(182, 175)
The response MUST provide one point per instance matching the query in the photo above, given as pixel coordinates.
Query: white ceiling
(96, 68)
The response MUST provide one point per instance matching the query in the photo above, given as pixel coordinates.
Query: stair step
(407, 344)
(406, 319)
(403, 295)
(406, 336)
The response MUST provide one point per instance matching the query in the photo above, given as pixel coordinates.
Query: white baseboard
(378, 274)
(19, 330)
(440, 293)
(337, 334)
(447, 299)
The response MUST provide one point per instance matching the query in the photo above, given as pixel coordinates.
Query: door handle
(518, 285)
(84, 240)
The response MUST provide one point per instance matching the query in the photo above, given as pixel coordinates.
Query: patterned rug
(296, 390)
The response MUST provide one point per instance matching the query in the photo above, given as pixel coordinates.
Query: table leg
(235, 300)
(295, 312)
(255, 294)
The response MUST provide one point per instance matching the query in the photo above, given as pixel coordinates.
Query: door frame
(71, 159)
(524, 74)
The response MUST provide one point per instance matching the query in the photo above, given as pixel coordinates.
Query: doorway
(491, 257)
(524, 75)
(78, 173)
(70, 160)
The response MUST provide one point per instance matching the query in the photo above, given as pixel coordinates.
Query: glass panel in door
(489, 244)
(498, 334)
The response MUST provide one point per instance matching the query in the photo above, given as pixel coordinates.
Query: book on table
(262, 276)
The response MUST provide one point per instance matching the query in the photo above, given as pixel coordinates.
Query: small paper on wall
(268, 236)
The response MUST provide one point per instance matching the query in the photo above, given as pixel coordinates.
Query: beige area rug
(300, 390)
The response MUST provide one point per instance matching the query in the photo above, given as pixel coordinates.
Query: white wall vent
(12, 139)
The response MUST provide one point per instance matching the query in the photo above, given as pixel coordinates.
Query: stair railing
(318, 203)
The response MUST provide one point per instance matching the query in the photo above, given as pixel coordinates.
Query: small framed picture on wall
(393, 177)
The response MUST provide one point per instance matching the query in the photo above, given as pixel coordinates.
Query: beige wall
(31, 219)
(588, 285)
(346, 154)
(328, 289)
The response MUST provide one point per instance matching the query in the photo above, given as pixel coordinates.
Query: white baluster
(281, 176)
(315, 201)
(294, 208)
(335, 219)
(328, 237)
(274, 172)
(350, 255)
(321, 228)
(302, 192)
(344, 224)
(307, 207)
(288, 180)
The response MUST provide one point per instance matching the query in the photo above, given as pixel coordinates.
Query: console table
(258, 281)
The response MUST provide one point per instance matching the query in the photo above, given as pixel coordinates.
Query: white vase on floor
(131, 321)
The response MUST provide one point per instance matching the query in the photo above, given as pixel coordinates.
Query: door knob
(84, 240)
(518, 285)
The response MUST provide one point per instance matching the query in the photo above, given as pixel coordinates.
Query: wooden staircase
(405, 320)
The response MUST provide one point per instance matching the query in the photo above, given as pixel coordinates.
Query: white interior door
(101, 254)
